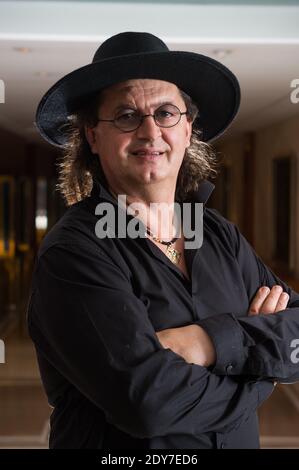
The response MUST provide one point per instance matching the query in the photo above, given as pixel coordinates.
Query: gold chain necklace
(171, 253)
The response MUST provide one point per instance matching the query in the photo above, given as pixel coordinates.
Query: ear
(188, 133)
(91, 138)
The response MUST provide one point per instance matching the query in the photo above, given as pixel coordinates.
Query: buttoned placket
(100, 192)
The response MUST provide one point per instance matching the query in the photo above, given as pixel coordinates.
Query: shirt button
(229, 368)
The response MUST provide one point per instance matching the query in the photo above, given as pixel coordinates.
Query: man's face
(124, 169)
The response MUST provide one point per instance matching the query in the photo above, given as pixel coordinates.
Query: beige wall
(278, 140)
(232, 154)
(275, 141)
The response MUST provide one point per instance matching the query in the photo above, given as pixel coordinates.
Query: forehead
(141, 88)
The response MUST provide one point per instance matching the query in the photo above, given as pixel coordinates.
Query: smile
(147, 154)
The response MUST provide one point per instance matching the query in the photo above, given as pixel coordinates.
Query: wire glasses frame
(167, 115)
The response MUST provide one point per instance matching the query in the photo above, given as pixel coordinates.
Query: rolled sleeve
(227, 339)
(258, 345)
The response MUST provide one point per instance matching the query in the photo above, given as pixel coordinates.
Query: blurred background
(257, 188)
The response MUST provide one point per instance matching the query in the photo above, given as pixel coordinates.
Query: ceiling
(40, 41)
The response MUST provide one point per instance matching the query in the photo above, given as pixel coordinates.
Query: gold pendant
(173, 255)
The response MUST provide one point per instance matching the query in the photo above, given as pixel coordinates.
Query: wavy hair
(78, 165)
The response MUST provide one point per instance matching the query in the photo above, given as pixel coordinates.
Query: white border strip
(169, 40)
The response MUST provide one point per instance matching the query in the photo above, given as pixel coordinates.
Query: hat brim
(212, 86)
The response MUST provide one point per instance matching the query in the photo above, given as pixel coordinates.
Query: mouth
(147, 155)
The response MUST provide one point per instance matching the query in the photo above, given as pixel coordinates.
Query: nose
(148, 128)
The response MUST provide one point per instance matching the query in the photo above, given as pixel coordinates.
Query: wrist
(206, 345)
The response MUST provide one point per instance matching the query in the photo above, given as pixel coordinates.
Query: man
(141, 341)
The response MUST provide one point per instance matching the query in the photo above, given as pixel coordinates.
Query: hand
(268, 301)
(191, 342)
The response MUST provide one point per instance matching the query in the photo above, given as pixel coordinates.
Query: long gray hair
(78, 165)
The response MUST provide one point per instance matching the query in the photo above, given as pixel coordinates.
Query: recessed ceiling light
(221, 53)
(22, 50)
(44, 74)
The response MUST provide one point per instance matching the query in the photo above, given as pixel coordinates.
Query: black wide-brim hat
(132, 55)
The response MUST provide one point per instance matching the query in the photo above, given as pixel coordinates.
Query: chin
(152, 176)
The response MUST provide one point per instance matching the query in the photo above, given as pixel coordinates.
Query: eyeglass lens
(166, 115)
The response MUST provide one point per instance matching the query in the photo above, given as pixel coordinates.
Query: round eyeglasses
(167, 115)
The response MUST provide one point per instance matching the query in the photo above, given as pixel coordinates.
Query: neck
(156, 210)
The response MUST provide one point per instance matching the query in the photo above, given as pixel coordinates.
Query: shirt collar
(204, 191)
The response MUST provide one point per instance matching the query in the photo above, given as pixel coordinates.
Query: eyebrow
(132, 106)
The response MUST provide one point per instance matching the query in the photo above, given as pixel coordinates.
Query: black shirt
(95, 306)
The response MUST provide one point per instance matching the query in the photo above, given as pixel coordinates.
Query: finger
(258, 300)
(282, 302)
(270, 303)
